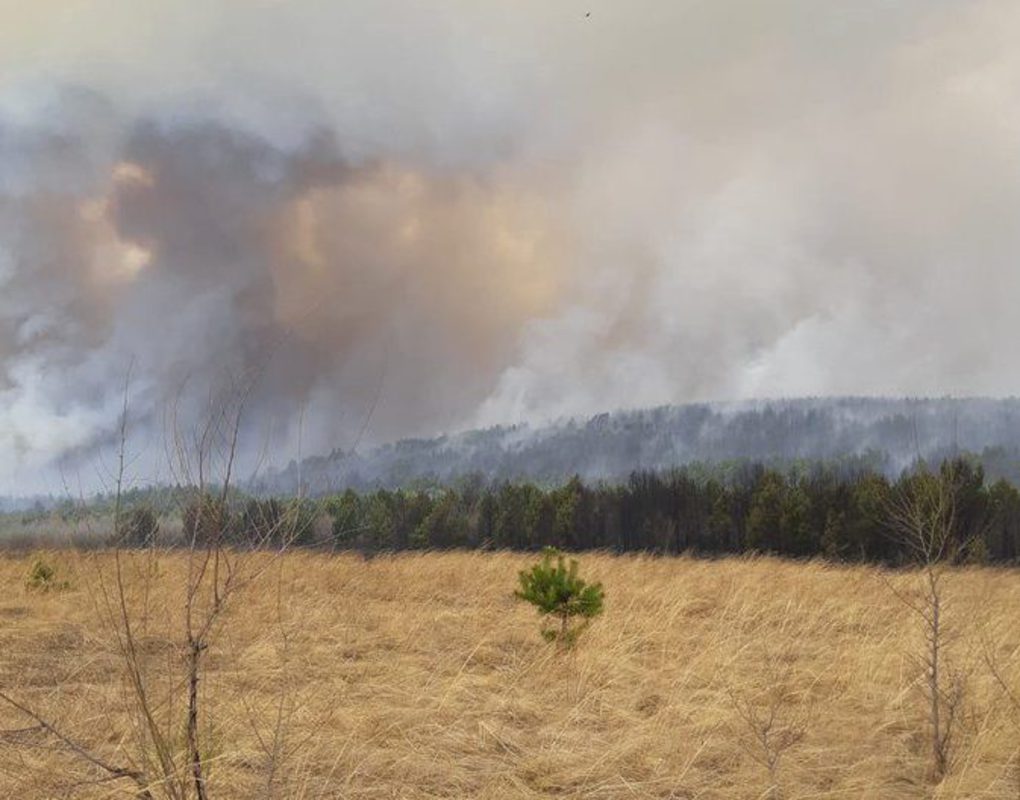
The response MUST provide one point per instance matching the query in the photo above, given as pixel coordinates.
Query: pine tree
(556, 590)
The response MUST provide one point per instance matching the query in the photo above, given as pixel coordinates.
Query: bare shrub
(173, 743)
(774, 718)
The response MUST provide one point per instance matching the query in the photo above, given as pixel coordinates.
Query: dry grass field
(419, 676)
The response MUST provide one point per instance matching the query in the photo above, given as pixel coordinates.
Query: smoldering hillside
(887, 435)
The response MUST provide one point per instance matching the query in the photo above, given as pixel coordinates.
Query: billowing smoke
(409, 218)
(189, 251)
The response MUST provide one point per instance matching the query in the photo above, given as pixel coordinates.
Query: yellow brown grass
(419, 676)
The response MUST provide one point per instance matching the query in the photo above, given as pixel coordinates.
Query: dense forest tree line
(817, 511)
(839, 510)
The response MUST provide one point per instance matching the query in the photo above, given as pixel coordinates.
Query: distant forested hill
(882, 434)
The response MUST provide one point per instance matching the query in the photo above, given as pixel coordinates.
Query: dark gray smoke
(187, 251)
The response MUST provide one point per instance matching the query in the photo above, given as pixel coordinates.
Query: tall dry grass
(418, 676)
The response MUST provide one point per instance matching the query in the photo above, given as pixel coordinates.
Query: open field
(419, 676)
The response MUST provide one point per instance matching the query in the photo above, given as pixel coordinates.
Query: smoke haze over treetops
(460, 213)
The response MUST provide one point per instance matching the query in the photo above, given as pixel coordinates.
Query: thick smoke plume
(410, 218)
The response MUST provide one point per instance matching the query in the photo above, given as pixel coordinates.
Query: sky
(402, 218)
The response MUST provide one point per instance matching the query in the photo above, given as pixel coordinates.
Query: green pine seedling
(43, 578)
(556, 590)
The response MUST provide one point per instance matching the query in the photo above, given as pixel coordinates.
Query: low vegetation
(421, 676)
(42, 577)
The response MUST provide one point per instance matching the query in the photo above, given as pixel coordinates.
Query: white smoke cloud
(466, 213)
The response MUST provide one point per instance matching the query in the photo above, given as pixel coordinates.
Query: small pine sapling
(556, 590)
(43, 578)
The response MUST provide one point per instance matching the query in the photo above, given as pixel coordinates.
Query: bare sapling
(219, 568)
(774, 719)
(923, 519)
